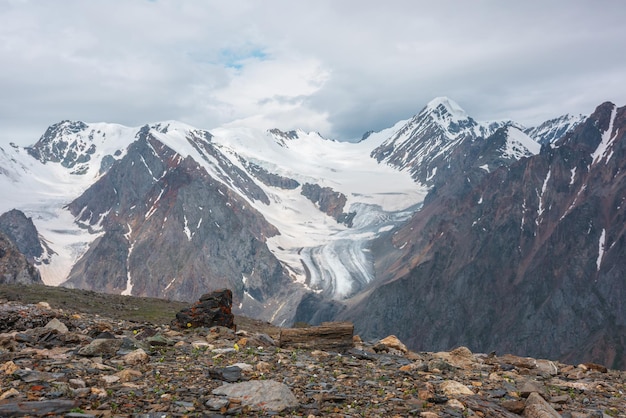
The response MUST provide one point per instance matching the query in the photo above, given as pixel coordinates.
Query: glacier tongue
(343, 266)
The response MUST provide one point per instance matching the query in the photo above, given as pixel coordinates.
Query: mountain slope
(529, 259)
(170, 229)
(169, 210)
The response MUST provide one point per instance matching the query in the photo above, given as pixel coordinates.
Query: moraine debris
(215, 371)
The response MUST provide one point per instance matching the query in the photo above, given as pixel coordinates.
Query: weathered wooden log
(326, 336)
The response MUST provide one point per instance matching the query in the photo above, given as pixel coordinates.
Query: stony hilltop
(121, 356)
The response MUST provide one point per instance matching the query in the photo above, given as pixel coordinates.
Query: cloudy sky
(339, 67)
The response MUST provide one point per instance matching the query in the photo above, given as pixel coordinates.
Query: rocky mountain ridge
(534, 248)
(440, 229)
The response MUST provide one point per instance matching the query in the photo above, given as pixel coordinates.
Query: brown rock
(393, 342)
(520, 362)
(514, 405)
(136, 357)
(537, 407)
(597, 367)
(213, 309)
(453, 389)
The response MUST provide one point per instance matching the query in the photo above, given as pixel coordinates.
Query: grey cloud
(137, 62)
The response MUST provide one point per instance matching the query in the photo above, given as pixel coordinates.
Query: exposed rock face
(329, 201)
(527, 259)
(69, 154)
(14, 267)
(281, 136)
(21, 230)
(271, 179)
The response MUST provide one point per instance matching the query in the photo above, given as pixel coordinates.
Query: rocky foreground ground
(61, 362)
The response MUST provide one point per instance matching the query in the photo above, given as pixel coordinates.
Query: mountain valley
(443, 230)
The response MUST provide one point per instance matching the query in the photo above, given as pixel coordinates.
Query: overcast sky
(338, 67)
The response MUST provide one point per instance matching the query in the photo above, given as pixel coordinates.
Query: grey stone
(101, 347)
(57, 325)
(263, 394)
(215, 404)
(531, 386)
(228, 374)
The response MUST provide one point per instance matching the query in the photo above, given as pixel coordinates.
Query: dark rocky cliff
(328, 201)
(21, 230)
(528, 259)
(14, 267)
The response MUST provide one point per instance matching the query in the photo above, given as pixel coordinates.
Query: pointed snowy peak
(79, 146)
(552, 130)
(52, 146)
(425, 143)
(455, 122)
(445, 110)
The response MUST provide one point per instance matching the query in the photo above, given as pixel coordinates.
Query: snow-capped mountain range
(319, 252)
(305, 228)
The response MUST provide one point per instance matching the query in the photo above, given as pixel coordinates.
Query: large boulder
(213, 309)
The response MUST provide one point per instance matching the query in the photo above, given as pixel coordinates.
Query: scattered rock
(57, 325)
(227, 374)
(36, 408)
(537, 407)
(153, 370)
(393, 342)
(105, 347)
(335, 336)
(136, 357)
(455, 389)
